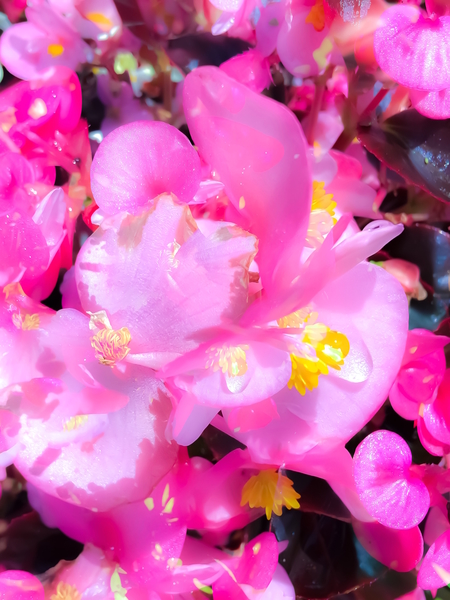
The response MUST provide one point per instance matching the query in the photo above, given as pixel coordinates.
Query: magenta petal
(398, 550)
(389, 492)
(137, 162)
(258, 149)
(438, 557)
(19, 585)
(435, 105)
(259, 561)
(414, 50)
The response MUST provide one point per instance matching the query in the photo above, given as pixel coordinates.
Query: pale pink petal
(137, 162)
(302, 60)
(182, 282)
(259, 150)
(251, 68)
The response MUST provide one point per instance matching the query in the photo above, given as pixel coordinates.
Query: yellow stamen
(270, 490)
(324, 348)
(330, 352)
(316, 16)
(229, 359)
(26, 322)
(55, 50)
(111, 346)
(75, 422)
(13, 289)
(64, 591)
(322, 216)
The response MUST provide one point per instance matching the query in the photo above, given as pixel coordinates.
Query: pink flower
(434, 571)
(263, 367)
(420, 375)
(414, 50)
(433, 424)
(166, 560)
(44, 41)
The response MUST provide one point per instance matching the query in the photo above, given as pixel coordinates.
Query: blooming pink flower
(252, 366)
(420, 375)
(44, 41)
(414, 50)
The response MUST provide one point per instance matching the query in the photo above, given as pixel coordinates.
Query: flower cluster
(197, 247)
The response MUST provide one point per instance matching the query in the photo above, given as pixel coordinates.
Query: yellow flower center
(230, 360)
(111, 345)
(322, 216)
(270, 490)
(324, 348)
(64, 591)
(55, 50)
(316, 16)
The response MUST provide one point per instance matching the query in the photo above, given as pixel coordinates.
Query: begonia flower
(413, 49)
(248, 366)
(44, 41)
(420, 375)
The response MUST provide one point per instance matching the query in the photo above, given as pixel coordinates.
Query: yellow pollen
(316, 16)
(38, 109)
(231, 360)
(321, 54)
(330, 351)
(322, 216)
(55, 50)
(7, 120)
(120, 593)
(206, 589)
(241, 202)
(324, 348)
(297, 319)
(100, 20)
(270, 490)
(111, 345)
(13, 289)
(64, 591)
(26, 322)
(75, 422)
(149, 503)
